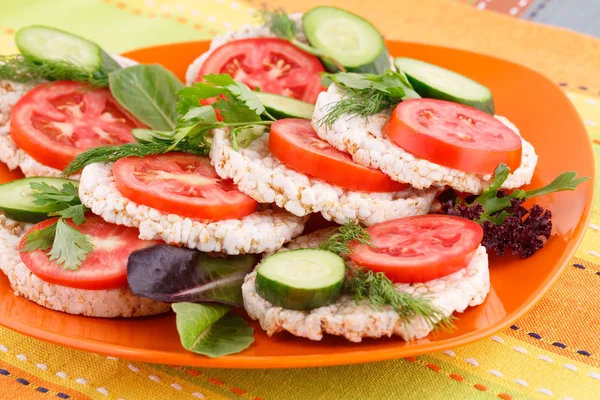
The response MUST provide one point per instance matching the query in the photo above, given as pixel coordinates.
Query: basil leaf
(206, 329)
(172, 274)
(149, 93)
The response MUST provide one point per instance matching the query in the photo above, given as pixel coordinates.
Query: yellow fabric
(552, 352)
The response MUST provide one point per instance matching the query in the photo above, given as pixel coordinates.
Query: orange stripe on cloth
(24, 386)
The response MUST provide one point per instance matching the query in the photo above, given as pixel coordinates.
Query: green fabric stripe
(88, 19)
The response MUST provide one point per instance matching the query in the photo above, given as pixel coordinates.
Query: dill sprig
(366, 94)
(113, 153)
(280, 24)
(361, 103)
(25, 69)
(339, 240)
(378, 289)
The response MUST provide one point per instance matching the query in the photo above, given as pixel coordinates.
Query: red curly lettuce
(507, 225)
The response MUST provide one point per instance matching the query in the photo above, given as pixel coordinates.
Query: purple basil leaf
(174, 275)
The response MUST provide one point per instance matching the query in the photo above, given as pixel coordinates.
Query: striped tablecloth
(551, 353)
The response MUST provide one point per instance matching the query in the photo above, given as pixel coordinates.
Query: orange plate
(546, 118)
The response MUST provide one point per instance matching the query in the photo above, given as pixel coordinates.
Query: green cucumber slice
(301, 279)
(351, 40)
(50, 44)
(17, 203)
(435, 82)
(283, 107)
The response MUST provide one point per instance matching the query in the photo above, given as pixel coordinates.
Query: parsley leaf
(47, 195)
(219, 79)
(76, 213)
(41, 239)
(200, 114)
(233, 110)
(70, 247)
(565, 181)
(244, 135)
(496, 205)
(247, 96)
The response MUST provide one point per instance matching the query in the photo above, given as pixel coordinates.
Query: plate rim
(352, 357)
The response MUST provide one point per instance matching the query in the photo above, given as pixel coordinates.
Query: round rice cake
(247, 31)
(10, 153)
(93, 303)
(365, 141)
(258, 232)
(261, 176)
(452, 293)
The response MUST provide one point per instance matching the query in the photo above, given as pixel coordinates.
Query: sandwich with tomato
(52, 110)
(408, 157)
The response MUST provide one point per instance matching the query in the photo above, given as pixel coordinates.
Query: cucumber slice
(17, 203)
(283, 107)
(50, 44)
(301, 279)
(351, 40)
(435, 82)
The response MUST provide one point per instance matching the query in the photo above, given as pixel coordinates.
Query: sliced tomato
(56, 121)
(453, 135)
(296, 144)
(104, 268)
(273, 65)
(181, 184)
(419, 249)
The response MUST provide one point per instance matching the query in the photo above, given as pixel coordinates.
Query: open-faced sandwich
(196, 198)
(43, 124)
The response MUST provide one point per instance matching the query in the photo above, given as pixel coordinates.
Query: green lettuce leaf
(207, 329)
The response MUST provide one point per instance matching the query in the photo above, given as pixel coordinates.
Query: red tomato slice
(181, 184)
(56, 121)
(273, 65)
(104, 268)
(453, 135)
(419, 249)
(296, 144)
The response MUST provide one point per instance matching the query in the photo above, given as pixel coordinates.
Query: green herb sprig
(25, 69)
(366, 94)
(280, 24)
(376, 288)
(239, 107)
(492, 204)
(68, 246)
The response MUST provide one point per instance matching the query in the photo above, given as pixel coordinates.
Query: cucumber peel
(301, 279)
(434, 82)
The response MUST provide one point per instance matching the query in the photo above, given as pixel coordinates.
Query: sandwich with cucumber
(205, 198)
(55, 102)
